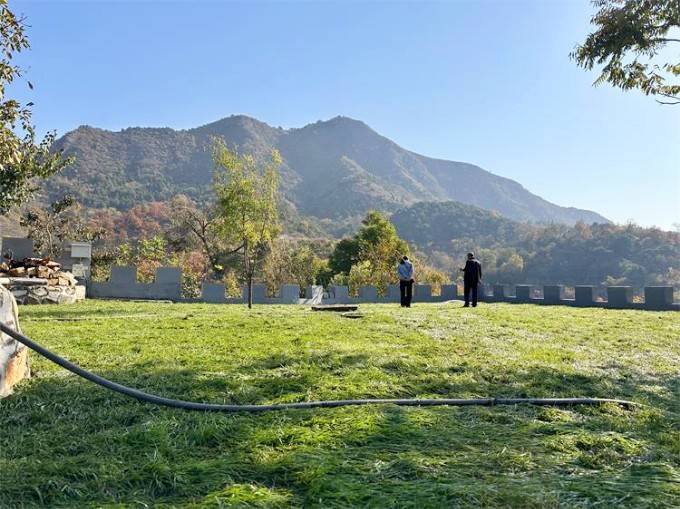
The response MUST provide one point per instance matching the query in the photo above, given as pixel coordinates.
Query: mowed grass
(66, 442)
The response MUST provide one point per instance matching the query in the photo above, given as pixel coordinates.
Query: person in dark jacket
(405, 273)
(471, 278)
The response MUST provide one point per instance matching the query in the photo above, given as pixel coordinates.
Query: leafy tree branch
(23, 161)
(627, 41)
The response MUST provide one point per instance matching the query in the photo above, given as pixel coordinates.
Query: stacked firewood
(41, 268)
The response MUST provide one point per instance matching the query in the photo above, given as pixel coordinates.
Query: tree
(431, 276)
(511, 266)
(50, 227)
(345, 254)
(376, 247)
(629, 35)
(22, 161)
(246, 206)
(296, 263)
(361, 274)
(201, 226)
(375, 230)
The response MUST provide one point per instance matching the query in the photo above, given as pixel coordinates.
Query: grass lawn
(66, 442)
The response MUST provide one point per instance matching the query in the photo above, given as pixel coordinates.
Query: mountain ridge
(333, 170)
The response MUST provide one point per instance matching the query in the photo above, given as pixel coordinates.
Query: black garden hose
(212, 407)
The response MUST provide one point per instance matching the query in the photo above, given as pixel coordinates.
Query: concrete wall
(167, 286)
(618, 297)
(16, 247)
(123, 284)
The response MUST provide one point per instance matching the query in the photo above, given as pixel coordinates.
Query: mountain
(434, 225)
(333, 170)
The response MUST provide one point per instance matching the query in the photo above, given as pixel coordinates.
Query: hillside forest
(436, 235)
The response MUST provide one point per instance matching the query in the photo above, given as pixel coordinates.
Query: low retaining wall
(168, 286)
(618, 297)
(123, 284)
(38, 291)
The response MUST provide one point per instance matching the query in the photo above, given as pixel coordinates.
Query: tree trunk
(248, 273)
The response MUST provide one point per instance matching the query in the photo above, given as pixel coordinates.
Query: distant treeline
(519, 252)
(437, 235)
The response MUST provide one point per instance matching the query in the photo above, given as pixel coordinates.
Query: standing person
(471, 279)
(405, 271)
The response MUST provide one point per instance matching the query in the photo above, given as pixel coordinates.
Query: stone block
(80, 270)
(81, 250)
(123, 275)
(17, 247)
(167, 284)
(552, 294)
(422, 293)
(290, 294)
(619, 296)
(168, 275)
(658, 297)
(80, 293)
(67, 296)
(583, 295)
(449, 292)
(499, 292)
(340, 294)
(259, 293)
(213, 293)
(368, 294)
(314, 293)
(523, 293)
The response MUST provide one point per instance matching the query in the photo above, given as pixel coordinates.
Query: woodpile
(40, 281)
(41, 268)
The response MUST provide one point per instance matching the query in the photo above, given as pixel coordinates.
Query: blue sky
(486, 82)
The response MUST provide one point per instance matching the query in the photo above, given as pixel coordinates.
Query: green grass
(66, 442)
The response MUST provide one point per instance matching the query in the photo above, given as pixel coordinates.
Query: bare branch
(674, 99)
(669, 102)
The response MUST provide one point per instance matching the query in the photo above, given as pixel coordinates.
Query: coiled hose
(212, 407)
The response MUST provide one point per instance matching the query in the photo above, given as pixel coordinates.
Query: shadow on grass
(72, 443)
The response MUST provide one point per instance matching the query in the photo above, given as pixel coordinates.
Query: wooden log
(26, 281)
(17, 272)
(340, 308)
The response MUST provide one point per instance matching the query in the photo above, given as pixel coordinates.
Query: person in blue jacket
(405, 272)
